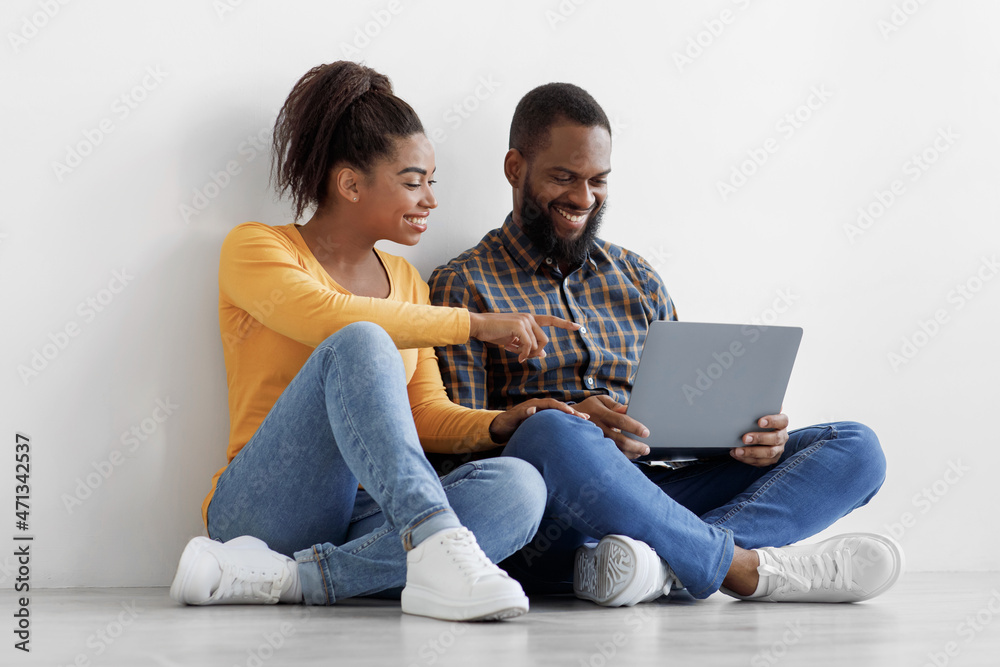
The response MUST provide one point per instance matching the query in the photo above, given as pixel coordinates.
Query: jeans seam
(372, 470)
(800, 458)
(323, 574)
(718, 568)
(372, 538)
(474, 474)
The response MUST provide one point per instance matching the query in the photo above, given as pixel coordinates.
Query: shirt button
(590, 381)
(583, 330)
(548, 260)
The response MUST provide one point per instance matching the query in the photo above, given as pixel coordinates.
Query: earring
(355, 199)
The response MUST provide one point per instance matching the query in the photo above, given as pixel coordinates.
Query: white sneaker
(620, 572)
(241, 571)
(449, 577)
(847, 568)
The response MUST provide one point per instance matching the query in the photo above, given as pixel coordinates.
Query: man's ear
(346, 181)
(513, 167)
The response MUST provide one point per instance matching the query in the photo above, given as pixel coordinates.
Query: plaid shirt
(614, 295)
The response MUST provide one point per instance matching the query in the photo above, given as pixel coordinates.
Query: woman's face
(397, 198)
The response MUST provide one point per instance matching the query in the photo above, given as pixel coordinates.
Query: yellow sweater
(277, 303)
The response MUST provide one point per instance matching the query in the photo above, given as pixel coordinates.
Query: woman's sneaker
(619, 572)
(449, 577)
(847, 568)
(240, 571)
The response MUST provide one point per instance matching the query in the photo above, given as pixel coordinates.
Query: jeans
(345, 418)
(692, 516)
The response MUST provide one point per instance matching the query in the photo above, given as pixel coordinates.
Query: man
(717, 523)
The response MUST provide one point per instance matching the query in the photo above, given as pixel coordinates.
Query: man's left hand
(765, 448)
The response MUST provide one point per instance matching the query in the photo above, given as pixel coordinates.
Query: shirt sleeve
(259, 272)
(443, 427)
(463, 366)
(663, 305)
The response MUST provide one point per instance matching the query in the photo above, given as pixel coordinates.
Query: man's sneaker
(847, 568)
(449, 577)
(619, 572)
(241, 571)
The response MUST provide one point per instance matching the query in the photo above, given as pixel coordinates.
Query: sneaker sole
(419, 601)
(191, 552)
(606, 574)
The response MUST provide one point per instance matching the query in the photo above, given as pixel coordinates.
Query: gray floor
(929, 618)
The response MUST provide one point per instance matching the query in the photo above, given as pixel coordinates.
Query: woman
(332, 382)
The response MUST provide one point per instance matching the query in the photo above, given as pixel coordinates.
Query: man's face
(560, 191)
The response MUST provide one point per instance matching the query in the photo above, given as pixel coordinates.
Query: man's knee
(553, 434)
(865, 452)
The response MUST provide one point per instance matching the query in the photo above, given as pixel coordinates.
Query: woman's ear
(346, 182)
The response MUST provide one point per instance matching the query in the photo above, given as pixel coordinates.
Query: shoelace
(465, 551)
(240, 583)
(803, 573)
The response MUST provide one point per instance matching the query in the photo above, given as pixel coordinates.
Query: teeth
(415, 220)
(570, 217)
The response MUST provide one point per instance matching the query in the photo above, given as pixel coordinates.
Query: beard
(540, 229)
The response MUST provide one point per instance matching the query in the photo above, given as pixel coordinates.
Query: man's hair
(548, 105)
(340, 112)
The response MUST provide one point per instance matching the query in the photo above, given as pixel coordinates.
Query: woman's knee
(364, 346)
(358, 336)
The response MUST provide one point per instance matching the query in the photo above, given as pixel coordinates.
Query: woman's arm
(444, 427)
(259, 273)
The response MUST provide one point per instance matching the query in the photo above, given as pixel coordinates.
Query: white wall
(681, 128)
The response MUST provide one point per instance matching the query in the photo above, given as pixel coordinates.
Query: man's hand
(766, 448)
(505, 423)
(516, 332)
(610, 416)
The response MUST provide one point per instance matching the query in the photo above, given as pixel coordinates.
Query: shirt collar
(524, 252)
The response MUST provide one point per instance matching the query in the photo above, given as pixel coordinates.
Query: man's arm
(604, 410)
(652, 285)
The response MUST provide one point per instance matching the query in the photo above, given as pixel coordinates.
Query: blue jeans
(345, 418)
(692, 516)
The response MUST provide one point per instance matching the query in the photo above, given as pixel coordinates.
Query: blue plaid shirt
(614, 295)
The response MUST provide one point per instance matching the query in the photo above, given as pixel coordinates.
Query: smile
(418, 222)
(576, 219)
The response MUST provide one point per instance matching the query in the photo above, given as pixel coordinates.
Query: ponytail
(340, 112)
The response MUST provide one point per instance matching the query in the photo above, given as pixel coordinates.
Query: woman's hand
(516, 332)
(505, 423)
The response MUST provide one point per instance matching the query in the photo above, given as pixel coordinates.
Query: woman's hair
(340, 112)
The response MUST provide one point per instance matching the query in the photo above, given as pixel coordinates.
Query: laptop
(700, 386)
